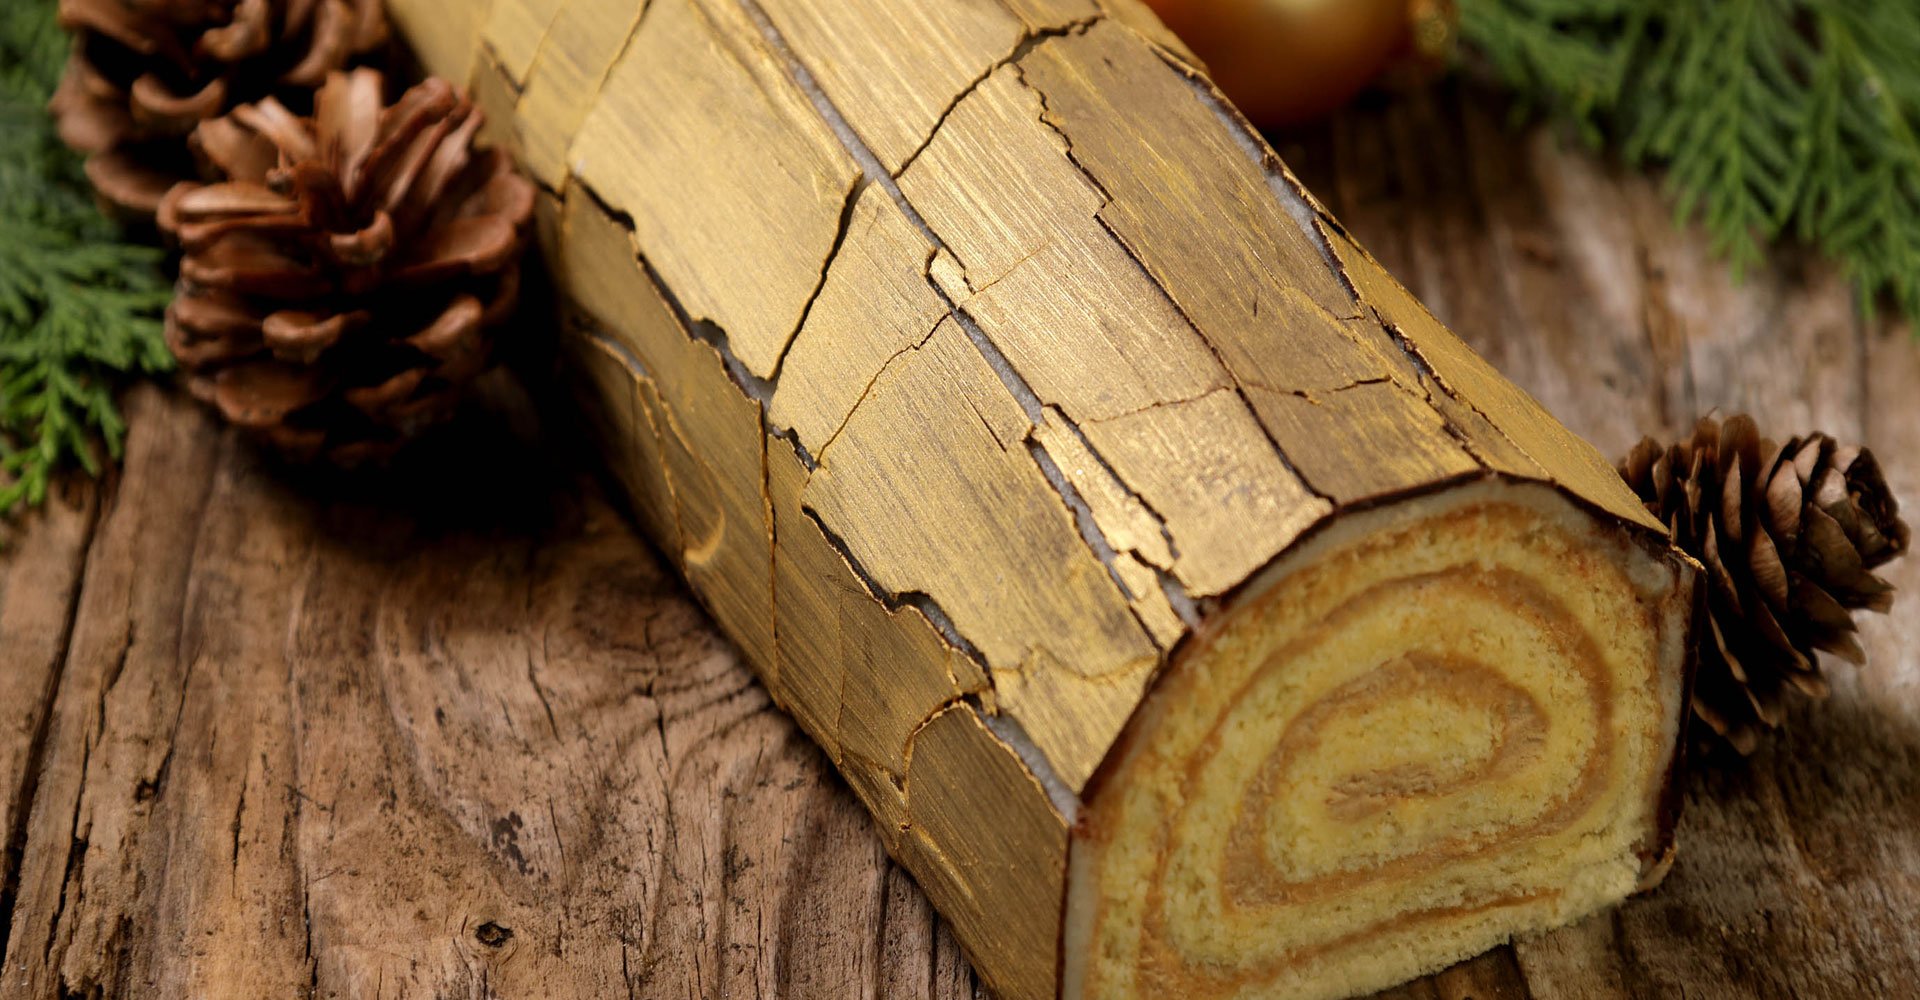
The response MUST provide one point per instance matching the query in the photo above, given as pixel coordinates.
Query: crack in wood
(772, 525)
(702, 329)
(636, 370)
(1082, 515)
(600, 82)
(1160, 520)
(489, 54)
(55, 948)
(21, 808)
(1430, 380)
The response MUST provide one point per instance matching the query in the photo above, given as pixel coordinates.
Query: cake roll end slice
(1427, 728)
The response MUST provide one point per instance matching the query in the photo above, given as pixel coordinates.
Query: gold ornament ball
(1288, 61)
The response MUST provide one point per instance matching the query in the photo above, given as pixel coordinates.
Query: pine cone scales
(341, 285)
(144, 73)
(1790, 536)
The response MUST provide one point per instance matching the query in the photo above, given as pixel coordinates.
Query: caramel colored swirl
(1404, 745)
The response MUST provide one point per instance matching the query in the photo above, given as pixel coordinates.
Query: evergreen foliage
(79, 308)
(1774, 117)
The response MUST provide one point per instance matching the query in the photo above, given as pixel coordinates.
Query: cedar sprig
(79, 306)
(1774, 118)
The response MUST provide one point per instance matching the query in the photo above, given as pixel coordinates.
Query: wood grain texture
(40, 576)
(739, 865)
(447, 736)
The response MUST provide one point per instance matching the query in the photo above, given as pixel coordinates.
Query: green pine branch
(79, 308)
(1774, 118)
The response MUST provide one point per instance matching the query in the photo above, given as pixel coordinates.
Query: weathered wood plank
(40, 570)
(440, 734)
(102, 845)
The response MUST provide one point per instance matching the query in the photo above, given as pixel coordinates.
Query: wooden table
(268, 735)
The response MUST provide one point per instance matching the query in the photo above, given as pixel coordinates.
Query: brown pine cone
(1789, 536)
(342, 285)
(144, 73)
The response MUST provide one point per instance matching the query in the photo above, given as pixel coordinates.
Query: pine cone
(342, 285)
(1789, 537)
(144, 73)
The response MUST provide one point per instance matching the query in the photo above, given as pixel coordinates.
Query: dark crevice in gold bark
(1017, 386)
(1311, 217)
(762, 391)
(1430, 380)
(867, 389)
(1020, 49)
(854, 191)
(697, 328)
(633, 31)
(894, 601)
(1287, 191)
(1238, 387)
(1082, 518)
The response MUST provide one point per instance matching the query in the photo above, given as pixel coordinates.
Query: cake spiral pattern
(1401, 751)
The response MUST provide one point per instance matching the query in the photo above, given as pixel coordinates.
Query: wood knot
(492, 935)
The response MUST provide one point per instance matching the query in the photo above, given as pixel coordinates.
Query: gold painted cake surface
(967, 358)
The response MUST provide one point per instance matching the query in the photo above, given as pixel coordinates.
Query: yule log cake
(1197, 616)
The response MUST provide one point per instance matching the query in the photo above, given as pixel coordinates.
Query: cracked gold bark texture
(969, 359)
